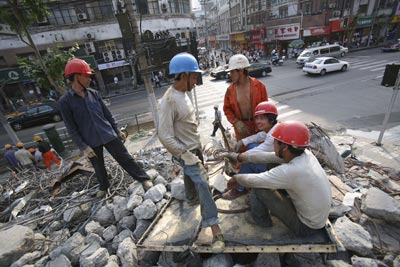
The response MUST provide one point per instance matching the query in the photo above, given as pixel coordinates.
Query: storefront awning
(13, 75)
(312, 31)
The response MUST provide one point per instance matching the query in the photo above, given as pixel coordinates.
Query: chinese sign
(285, 32)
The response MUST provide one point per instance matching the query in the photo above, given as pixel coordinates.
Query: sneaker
(147, 184)
(101, 193)
(218, 244)
(233, 194)
(213, 135)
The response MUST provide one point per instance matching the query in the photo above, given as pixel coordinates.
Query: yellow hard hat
(20, 144)
(7, 146)
(37, 138)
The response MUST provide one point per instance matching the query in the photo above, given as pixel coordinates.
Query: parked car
(391, 46)
(220, 72)
(257, 69)
(343, 51)
(323, 65)
(36, 115)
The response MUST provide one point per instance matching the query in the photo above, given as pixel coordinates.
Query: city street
(353, 99)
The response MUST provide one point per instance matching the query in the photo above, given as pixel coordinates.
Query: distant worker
(39, 163)
(48, 155)
(297, 192)
(9, 155)
(92, 126)
(242, 97)
(177, 131)
(25, 159)
(217, 121)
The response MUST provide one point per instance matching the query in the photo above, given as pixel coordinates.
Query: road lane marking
(289, 113)
(380, 68)
(282, 107)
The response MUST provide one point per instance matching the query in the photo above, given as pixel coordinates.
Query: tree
(54, 61)
(19, 15)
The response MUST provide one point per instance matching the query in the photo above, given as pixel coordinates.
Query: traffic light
(150, 57)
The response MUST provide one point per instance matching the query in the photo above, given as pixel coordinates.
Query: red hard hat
(77, 65)
(264, 108)
(292, 133)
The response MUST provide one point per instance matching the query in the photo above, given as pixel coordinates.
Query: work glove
(189, 158)
(89, 152)
(242, 128)
(122, 136)
(232, 156)
(238, 146)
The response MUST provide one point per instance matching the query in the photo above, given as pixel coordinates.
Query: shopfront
(238, 41)
(316, 34)
(279, 37)
(212, 41)
(117, 77)
(256, 39)
(223, 41)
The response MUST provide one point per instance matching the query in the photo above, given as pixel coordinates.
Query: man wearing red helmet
(92, 126)
(298, 192)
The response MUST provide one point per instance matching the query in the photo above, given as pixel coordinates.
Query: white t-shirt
(265, 137)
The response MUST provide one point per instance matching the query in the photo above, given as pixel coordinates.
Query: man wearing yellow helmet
(9, 155)
(24, 157)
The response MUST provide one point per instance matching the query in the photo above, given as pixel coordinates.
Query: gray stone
(353, 236)
(136, 188)
(120, 209)
(220, 260)
(110, 232)
(155, 193)
(337, 263)
(28, 258)
(128, 222)
(396, 262)
(55, 226)
(92, 237)
(303, 260)
(94, 227)
(161, 203)
(55, 253)
(152, 173)
(105, 215)
(141, 226)
(58, 237)
(112, 261)
(147, 210)
(14, 243)
(72, 214)
(267, 259)
(127, 253)
(388, 260)
(378, 204)
(42, 261)
(178, 189)
(89, 249)
(98, 258)
(363, 262)
(160, 180)
(121, 236)
(134, 201)
(40, 242)
(60, 261)
(73, 247)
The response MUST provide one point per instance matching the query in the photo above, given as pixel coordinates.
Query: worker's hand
(189, 158)
(89, 152)
(232, 183)
(122, 136)
(238, 146)
(232, 156)
(242, 128)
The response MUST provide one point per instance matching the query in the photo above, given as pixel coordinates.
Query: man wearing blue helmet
(177, 131)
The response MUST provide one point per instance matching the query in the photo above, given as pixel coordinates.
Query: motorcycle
(276, 60)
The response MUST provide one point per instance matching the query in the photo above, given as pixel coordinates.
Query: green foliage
(54, 60)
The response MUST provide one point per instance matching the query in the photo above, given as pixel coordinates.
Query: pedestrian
(177, 131)
(25, 159)
(9, 155)
(298, 192)
(157, 81)
(39, 162)
(265, 115)
(242, 97)
(45, 148)
(217, 121)
(116, 80)
(92, 126)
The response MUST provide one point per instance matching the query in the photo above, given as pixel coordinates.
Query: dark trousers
(266, 202)
(121, 155)
(216, 127)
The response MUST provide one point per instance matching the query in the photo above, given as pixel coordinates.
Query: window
(324, 51)
(335, 48)
(44, 109)
(153, 7)
(283, 11)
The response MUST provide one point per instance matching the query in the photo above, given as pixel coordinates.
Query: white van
(310, 54)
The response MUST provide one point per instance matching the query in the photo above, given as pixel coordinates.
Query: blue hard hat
(183, 62)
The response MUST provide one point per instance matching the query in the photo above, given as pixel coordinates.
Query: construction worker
(297, 192)
(265, 115)
(45, 148)
(9, 155)
(177, 131)
(25, 159)
(92, 126)
(39, 163)
(242, 97)
(217, 121)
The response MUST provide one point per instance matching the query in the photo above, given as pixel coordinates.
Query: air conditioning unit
(90, 35)
(108, 56)
(82, 16)
(89, 47)
(58, 37)
(42, 21)
(164, 7)
(336, 13)
(120, 54)
(332, 5)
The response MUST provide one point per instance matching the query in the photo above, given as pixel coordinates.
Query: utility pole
(145, 70)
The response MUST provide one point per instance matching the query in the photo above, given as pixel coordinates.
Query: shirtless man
(242, 96)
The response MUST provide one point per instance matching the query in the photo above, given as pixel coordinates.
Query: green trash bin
(54, 137)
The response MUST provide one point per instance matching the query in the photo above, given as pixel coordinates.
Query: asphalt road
(353, 99)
